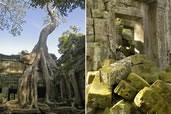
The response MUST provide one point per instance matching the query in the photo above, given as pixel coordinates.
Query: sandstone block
(90, 76)
(162, 89)
(116, 72)
(137, 81)
(121, 107)
(101, 29)
(97, 13)
(148, 101)
(125, 90)
(99, 95)
(89, 21)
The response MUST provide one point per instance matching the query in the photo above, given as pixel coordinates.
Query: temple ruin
(128, 57)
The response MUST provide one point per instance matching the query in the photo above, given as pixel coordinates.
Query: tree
(67, 38)
(40, 59)
(12, 13)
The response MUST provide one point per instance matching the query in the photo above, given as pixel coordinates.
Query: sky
(31, 30)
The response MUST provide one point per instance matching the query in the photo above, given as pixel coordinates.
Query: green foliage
(68, 37)
(63, 6)
(12, 13)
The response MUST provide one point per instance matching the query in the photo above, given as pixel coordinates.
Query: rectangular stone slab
(116, 72)
(125, 90)
(137, 82)
(99, 95)
(148, 101)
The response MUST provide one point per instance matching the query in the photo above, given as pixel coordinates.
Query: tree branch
(51, 13)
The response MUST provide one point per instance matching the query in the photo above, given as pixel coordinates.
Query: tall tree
(40, 58)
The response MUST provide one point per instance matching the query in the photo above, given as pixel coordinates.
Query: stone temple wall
(152, 16)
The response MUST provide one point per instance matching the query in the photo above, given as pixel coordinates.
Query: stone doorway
(12, 94)
(129, 35)
(41, 92)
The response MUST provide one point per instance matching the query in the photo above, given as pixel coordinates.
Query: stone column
(5, 94)
(75, 85)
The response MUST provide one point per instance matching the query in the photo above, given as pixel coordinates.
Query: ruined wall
(71, 73)
(152, 18)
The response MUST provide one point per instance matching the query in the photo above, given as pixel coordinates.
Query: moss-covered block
(137, 81)
(150, 77)
(162, 89)
(148, 101)
(121, 107)
(125, 90)
(90, 76)
(116, 72)
(99, 95)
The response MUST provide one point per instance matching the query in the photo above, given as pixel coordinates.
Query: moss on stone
(137, 81)
(125, 90)
(121, 107)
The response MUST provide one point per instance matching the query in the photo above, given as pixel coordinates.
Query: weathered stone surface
(90, 76)
(97, 13)
(148, 101)
(89, 21)
(100, 53)
(162, 89)
(121, 107)
(90, 33)
(108, 62)
(166, 77)
(136, 81)
(101, 29)
(150, 77)
(11, 67)
(116, 72)
(125, 90)
(99, 95)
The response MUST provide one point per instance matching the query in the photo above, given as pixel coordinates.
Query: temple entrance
(129, 35)
(11, 94)
(41, 92)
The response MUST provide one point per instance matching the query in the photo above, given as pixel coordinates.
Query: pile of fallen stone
(133, 85)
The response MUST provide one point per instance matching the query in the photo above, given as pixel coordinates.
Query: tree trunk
(27, 86)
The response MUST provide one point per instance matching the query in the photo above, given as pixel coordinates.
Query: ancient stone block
(162, 89)
(11, 67)
(148, 101)
(115, 72)
(90, 34)
(121, 107)
(97, 13)
(101, 29)
(99, 95)
(137, 81)
(90, 76)
(99, 5)
(125, 90)
(89, 21)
